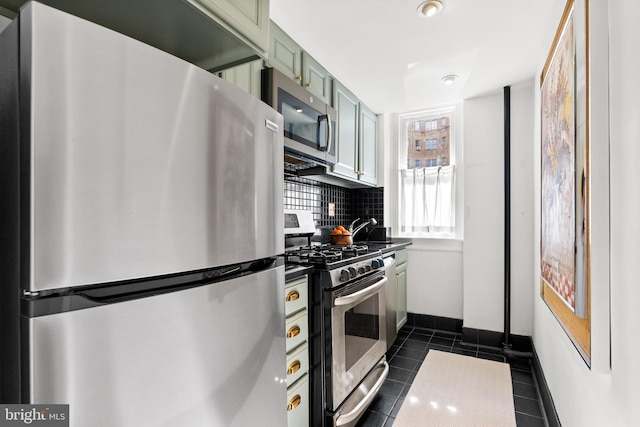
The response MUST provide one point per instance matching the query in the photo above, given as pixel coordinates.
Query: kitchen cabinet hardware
(299, 77)
(293, 331)
(292, 296)
(297, 347)
(294, 402)
(294, 367)
(308, 84)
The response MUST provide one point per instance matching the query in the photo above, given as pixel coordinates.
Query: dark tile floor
(406, 356)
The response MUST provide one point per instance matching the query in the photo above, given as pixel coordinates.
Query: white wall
(522, 206)
(484, 217)
(601, 396)
(434, 278)
(483, 258)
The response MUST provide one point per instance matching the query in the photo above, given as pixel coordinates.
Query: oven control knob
(344, 276)
(352, 272)
(376, 263)
(361, 270)
(367, 267)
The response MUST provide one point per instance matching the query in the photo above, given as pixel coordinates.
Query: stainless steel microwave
(309, 123)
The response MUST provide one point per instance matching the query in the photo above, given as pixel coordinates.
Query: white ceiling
(394, 60)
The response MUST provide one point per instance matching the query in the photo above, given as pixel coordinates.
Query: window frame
(455, 123)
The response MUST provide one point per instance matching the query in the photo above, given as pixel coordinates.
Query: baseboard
(485, 338)
(545, 394)
(428, 321)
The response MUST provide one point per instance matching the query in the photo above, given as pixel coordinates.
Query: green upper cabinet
(212, 34)
(285, 54)
(346, 105)
(356, 152)
(315, 78)
(246, 76)
(248, 19)
(288, 57)
(367, 154)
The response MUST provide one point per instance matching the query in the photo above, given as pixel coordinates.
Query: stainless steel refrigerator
(141, 228)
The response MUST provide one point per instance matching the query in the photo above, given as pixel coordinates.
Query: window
(416, 125)
(417, 145)
(430, 125)
(426, 196)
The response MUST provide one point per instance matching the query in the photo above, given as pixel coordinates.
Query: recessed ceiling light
(450, 78)
(429, 8)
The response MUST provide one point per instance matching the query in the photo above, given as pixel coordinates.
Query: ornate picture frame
(564, 220)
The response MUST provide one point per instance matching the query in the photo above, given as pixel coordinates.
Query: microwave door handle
(322, 118)
(361, 294)
(329, 133)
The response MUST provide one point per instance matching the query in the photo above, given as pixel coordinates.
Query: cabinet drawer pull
(292, 296)
(294, 402)
(293, 331)
(294, 367)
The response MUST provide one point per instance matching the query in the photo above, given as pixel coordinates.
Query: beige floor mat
(451, 390)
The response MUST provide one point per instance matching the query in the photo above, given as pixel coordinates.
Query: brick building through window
(430, 137)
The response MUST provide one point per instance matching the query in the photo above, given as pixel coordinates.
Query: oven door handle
(362, 405)
(361, 294)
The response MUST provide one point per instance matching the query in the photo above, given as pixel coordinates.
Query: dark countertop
(389, 246)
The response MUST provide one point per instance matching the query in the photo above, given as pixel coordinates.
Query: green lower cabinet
(298, 403)
(297, 348)
(401, 273)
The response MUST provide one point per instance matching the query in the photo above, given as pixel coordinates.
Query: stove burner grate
(322, 257)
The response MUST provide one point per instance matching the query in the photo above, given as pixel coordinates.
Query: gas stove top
(330, 256)
(337, 265)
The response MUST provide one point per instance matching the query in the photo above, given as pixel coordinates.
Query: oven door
(358, 334)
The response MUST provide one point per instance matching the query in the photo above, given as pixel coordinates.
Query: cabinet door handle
(294, 367)
(293, 331)
(294, 402)
(308, 84)
(299, 77)
(292, 296)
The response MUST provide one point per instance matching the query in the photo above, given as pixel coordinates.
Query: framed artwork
(564, 227)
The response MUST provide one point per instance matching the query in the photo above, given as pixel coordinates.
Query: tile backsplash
(306, 193)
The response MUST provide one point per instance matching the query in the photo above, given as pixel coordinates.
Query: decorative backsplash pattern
(306, 193)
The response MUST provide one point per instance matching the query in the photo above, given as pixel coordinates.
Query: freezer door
(208, 356)
(140, 164)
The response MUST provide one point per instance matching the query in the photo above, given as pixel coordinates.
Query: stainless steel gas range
(347, 325)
